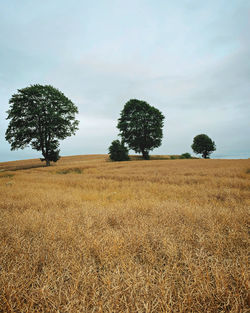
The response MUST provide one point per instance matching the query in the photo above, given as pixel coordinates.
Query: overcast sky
(188, 58)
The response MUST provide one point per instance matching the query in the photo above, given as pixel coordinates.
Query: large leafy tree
(204, 145)
(140, 126)
(40, 116)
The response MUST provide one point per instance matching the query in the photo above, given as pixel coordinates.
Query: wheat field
(89, 235)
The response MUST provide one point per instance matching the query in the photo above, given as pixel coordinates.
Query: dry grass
(87, 235)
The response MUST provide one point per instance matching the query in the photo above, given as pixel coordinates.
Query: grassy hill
(89, 235)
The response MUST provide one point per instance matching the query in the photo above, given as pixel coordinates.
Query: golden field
(89, 235)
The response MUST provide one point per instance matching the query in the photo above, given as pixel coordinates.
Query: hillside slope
(89, 235)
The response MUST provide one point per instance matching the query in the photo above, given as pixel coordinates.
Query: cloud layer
(188, 58)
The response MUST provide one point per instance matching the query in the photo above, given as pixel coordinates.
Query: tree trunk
(205, 154)
(47, 162)
(145, 155)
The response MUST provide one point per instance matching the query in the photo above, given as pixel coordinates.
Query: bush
(118, 152)
(186, 156)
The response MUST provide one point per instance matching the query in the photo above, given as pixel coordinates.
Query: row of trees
(140, 126)
(40, 116)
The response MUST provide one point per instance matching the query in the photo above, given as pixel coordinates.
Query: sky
(188, 58)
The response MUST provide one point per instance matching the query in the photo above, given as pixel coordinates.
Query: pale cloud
(188, 58)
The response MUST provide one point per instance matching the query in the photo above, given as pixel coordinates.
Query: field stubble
(87, 235)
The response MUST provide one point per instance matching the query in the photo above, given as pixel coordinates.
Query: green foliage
(141, 126)
(53, 155)
(118, 152)
(173, 157)
(186, 156)
(204, 145)
(40, 116)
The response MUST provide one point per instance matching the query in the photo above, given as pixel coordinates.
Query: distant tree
(141, 126)
(118, 152)
(204, 145)
(186, 156)
(40, 116)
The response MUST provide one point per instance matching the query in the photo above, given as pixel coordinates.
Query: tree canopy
(204, 145)
(140, 126)
(40, 116)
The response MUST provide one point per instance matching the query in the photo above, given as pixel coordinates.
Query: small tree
(40, 116)
(141, 126)
(118, 152)
(204, 145)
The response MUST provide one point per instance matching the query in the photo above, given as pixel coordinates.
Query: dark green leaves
(204, 145)
(40, 116)
(118, 152)
(141, 126)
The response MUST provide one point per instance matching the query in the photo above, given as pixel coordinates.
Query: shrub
(186, 156)
(173, 157)
(118, 152)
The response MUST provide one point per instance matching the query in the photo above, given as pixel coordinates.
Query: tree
(118, 152)
(204, 145)
(141, 126)
(40, 116)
